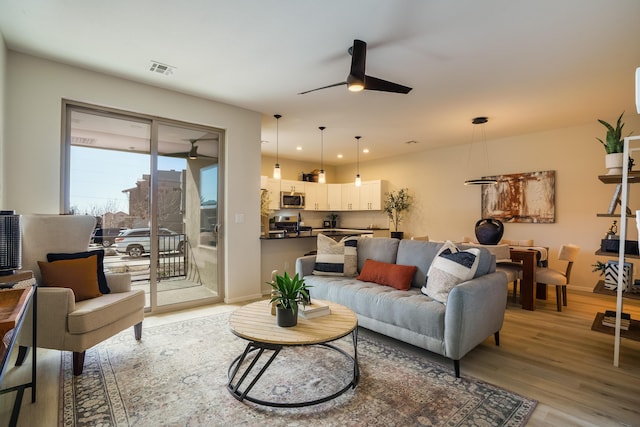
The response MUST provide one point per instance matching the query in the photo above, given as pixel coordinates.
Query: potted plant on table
(614, 146)
(287, 292)
(396, 204)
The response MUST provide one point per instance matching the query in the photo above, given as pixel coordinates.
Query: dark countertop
(338, 232)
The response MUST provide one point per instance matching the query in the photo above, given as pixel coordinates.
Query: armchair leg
(137, 330)
(496, 337)
(564, 296)
(559, 298)
(456, 367)
(22, 355)
(78, 362)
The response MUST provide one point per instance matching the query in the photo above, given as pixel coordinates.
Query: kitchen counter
(330, 232)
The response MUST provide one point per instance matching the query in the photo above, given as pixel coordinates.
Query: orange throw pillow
(79, 275)
(394, 275)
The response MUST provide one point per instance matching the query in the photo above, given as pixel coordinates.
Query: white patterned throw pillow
(336, 258)
(448, 269)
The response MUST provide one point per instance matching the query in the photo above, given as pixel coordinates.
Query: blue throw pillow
(102, 279)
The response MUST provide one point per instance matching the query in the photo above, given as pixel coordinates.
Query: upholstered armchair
(74, 316)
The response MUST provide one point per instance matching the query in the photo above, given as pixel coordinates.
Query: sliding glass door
(152, 185)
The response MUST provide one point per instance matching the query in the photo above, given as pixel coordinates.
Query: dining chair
(559, 279)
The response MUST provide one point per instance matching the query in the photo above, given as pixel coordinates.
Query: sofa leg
(496, 337)
(22, 355)
(456, 367)
(78, 362)
(137, 330)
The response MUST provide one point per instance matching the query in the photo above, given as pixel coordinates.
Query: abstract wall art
(521, 197)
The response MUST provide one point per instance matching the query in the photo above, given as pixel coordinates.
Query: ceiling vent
(160, 68)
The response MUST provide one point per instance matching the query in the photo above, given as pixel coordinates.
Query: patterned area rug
(177, 374)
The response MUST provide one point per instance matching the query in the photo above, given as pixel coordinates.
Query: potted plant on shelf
(614, 146)
(333, 217)
(286, 293)
(396, 204)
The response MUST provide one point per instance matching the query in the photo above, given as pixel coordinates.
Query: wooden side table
(14, 304)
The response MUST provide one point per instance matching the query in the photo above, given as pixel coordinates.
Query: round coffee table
(255, 323)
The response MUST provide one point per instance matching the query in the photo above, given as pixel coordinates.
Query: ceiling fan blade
(358, 59)
(323, 87)
(374, 83)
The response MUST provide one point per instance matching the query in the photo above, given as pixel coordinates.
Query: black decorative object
(489, 231)
(397, 235)
(286, 317)
(10, 243)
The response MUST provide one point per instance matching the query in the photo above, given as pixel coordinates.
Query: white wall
(3, 88)
(31, 158)
(446, 209)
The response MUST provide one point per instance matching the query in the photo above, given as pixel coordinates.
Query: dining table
(528, 292)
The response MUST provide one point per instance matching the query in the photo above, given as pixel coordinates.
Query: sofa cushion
(449, 269)
(78, 274)
(405, 309)
(92, 314)
(394, 275)
(336, 258)
(383, 249)
(99, 254)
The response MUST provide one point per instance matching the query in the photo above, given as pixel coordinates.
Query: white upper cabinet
(315, 197)
(334, 197)
(291, 186)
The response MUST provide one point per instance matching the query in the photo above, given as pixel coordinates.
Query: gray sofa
(474, 309)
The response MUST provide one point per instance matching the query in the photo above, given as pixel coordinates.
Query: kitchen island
(280, 253)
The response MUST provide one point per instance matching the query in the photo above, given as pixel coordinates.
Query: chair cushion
(550, 276)
(79, 275)
(97, 313)
(102, 279)
(394, 275)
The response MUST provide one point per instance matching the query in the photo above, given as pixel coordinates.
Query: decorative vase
(286, 317)
(397, 235)
(489, 231)
(613, 162)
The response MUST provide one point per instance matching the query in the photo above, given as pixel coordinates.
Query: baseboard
(245, 298)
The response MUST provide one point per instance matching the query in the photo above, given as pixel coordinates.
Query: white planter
(613, 162)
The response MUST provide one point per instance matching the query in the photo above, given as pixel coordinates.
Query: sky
(99, 176)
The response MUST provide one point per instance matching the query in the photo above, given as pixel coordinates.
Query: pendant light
(358, 180)
(322, 179)
(481, 181)
(276, 167)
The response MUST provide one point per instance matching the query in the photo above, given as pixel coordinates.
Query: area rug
(177, 375)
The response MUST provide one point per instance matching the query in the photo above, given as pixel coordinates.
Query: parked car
(105, 236)
(136, 241)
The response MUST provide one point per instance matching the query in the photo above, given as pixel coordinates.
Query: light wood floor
(552, 357)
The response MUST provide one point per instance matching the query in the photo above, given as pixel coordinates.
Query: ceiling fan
(357, 80)
(193, 152)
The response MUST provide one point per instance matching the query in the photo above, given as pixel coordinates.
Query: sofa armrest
(475, 310)
(305, 265)
(54, 305)
(119, 282)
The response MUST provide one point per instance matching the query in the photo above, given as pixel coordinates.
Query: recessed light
(365, 150)
(299, 148)
(339, 156)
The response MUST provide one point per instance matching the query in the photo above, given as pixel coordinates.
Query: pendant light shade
(322, 179)
(276, 167)
(358, 179)
(481, 181)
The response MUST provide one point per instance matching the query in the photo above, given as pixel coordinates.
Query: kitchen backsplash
(356, 219)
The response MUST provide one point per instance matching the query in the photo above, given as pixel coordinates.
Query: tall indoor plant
(286, 293)
(396, 204)
(614, 146)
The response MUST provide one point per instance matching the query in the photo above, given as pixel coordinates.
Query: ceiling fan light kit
(276, 168)
(482, 181)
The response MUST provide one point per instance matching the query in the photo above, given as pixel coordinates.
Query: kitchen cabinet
(315, 196)
(334, 197)
(291, 186)
(367, 197)
(273, 187)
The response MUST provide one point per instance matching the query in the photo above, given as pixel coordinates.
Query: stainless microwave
(291, 200)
